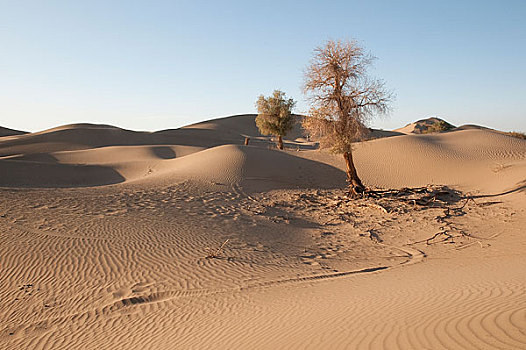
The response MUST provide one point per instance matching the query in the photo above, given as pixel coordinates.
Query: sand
(10, 132)
(110, 238)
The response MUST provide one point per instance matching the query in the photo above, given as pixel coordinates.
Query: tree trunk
(356, 188)
(280, 142)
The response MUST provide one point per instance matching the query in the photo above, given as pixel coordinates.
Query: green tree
(275, 115)
(343, 98)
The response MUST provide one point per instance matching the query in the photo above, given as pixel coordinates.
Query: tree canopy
(275, 115)
(343, 99)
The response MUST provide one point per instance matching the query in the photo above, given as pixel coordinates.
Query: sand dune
(474, 159)
(110, 240)
(73, 137)
(256, 169)
(449, 158)
(10, 132)
(423, 126)
(89, 136)
(44, 174)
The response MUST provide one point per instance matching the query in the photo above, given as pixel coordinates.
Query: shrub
(438, 126)
(275, 115)
(519, 135)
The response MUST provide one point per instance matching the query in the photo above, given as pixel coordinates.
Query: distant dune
(424, 126)
(90, 155)
(10, 132)
(117, 154)
(471, 127)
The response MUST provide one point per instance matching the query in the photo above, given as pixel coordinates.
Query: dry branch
(218, 251)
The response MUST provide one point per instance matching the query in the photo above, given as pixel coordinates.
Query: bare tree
(275, 115)
(343, 99)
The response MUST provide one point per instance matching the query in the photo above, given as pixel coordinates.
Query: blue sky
(154, 65)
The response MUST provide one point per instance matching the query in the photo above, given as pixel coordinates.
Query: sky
(152, 65)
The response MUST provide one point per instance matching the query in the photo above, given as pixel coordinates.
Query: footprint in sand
(140, 287)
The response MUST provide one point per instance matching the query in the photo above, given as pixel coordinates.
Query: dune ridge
(10, 132)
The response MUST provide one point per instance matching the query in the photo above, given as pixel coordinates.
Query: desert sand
(110, 239)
